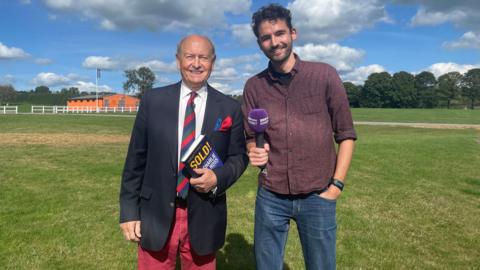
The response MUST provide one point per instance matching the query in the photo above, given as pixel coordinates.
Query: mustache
(280, 46)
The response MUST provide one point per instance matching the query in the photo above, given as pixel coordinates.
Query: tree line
(137, 81)
(380, 90)
(423, 90)
(41, 95)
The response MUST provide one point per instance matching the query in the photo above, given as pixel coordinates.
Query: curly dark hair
(271, 12)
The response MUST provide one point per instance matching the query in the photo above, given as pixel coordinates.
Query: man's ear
(177, 61)
(294, 33)
(213, 59)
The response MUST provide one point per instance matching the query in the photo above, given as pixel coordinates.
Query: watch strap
(339, 184)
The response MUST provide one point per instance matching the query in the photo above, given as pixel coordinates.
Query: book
(200, 154)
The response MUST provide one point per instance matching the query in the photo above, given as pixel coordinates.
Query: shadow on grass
(237, 254)
(474, 188)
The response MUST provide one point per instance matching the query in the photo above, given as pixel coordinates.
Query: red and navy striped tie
(187, 139)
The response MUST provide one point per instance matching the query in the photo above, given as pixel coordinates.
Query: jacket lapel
(211, 111)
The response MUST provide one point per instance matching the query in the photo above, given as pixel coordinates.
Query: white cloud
(75, 77)
(244, 34)
(108, 63)
(43, 61)
(225, 74)
(11, 52)
(226, 88)
(468, 40)
(227, 69)
(50, 79)
(25, 2)
(152, 14)
(156, 65)
(238, 60)
(439, 69)
(424, 17)
(360, 74)
(7, 79)
(342, 58)
(108, 25)
(71, 80)
(331, 20)
(102, 62)
(161, 80)
(90, 87)
(463, 13)
(249, 68)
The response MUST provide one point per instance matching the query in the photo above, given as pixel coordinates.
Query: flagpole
(96, 89)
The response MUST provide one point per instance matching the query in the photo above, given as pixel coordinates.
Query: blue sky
(59, 43)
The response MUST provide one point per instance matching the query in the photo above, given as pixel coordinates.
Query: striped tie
(187, 138)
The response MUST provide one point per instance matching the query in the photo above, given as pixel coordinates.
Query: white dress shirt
(200, 103)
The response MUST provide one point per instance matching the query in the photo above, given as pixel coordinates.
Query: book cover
(200, 154)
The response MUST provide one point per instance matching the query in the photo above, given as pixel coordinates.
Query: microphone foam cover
(258, 120)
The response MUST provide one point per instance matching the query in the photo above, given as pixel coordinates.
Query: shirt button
(291, 133)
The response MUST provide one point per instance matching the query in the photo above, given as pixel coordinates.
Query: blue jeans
(317, 227)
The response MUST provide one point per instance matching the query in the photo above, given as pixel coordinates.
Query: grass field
(417, 115)
(412, 199)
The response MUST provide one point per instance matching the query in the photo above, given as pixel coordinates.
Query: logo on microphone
(256, 122)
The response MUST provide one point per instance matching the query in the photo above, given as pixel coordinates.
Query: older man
(161, 208)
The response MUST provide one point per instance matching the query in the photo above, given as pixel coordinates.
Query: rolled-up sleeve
(339, 109)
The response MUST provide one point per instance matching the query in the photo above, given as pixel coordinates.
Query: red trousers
(178, 242)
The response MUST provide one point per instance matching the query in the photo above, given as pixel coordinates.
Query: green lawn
(417, 115)
(412, 199)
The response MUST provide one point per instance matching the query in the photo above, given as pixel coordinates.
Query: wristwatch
(339, 184)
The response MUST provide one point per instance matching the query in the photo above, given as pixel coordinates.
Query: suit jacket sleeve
(237, 159)
(134, 168)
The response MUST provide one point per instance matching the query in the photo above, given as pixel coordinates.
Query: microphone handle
(260, 142)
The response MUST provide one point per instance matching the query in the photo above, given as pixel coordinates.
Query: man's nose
(196, 61)
(275, 41)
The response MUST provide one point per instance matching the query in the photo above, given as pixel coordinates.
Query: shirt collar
(295, 69)
(185, 91)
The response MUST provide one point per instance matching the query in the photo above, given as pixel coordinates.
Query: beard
(287, 51)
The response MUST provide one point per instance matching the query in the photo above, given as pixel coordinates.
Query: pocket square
(224, 125)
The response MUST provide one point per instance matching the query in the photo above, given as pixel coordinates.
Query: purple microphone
(258, 121)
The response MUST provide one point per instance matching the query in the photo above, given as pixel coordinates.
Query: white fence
(8, 109)
(68, 109)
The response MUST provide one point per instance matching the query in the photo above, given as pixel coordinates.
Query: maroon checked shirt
(307, 113)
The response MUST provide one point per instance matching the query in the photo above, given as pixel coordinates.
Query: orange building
(104, 100)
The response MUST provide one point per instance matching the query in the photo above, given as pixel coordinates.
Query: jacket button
(172, 204)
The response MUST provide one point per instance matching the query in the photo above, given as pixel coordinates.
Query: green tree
(42, 89)
(449, 86)
(403, 90)
(140, 80)
(7, 93)
(471, 86)
(353, 93)
(425, 86)
(376, 89)
(70, 92)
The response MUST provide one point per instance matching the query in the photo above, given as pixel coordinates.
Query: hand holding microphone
(258, 122)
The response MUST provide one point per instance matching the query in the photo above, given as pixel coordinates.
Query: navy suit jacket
(148, 188)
